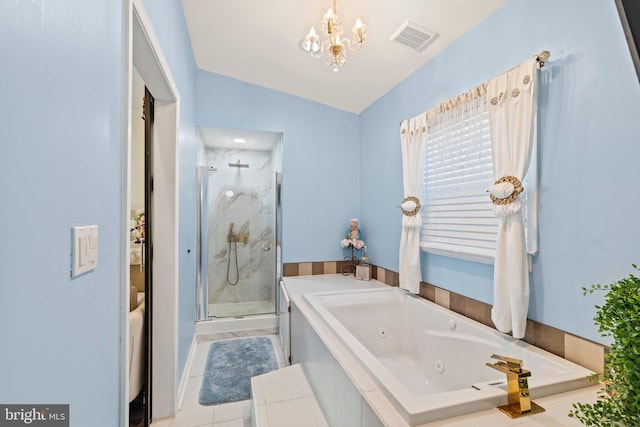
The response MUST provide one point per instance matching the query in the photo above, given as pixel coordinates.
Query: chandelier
(334, 47)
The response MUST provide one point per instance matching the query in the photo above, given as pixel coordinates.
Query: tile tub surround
(578, 350)
(291, 269)
(347, 395)
(283, 398)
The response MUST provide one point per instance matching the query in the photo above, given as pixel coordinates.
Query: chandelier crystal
(335, 45)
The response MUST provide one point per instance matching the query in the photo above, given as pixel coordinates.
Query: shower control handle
(241, 237)
(231, 235)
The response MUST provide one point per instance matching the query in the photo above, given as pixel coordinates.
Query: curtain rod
(542, 58)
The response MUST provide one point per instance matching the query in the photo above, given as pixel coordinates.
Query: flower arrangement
(352, 240)
(355, 243)
(137, 227)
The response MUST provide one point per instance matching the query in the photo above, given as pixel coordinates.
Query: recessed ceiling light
(239, 140)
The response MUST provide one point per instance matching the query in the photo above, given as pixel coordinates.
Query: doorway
(142, 51)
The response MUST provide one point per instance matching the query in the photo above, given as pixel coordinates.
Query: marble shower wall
(246, 198)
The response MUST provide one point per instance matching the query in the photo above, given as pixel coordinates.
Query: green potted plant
(618, 401)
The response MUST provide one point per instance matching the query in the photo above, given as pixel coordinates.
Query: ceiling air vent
(413, 36)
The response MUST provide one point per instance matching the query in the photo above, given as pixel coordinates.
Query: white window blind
(457, 217)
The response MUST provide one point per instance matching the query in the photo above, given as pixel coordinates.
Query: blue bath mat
(230, 366)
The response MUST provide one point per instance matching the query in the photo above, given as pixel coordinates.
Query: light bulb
(359, 29)
(310, 42)
(315, 50)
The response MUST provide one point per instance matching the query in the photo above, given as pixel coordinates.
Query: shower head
(238, 165)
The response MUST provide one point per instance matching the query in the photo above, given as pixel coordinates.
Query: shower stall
(239, 242)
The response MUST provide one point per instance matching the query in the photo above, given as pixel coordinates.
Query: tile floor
(192, 414)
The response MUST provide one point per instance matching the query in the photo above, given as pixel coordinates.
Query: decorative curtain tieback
(505, 190)
(410, 206)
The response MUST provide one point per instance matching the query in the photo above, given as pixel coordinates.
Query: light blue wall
(60, 166)
(588, 135)
(170, 26)
(321, 162)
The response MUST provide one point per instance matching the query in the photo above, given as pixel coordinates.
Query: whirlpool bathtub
(429, 361)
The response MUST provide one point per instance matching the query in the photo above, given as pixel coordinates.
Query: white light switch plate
(84, 249)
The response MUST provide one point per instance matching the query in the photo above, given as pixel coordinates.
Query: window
(457, 217)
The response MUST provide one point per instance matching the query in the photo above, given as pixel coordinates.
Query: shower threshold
(233, 326)
(240, 309)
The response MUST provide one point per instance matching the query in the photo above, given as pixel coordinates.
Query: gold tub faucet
(520, 403)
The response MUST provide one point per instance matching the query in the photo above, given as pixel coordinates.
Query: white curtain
(512, 104)
(413, 138)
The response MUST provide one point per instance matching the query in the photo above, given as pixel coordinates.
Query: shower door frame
(202, 303)
(278, 238)
(202, 294)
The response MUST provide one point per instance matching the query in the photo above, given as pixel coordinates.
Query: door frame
(142, 49)
(148, 113)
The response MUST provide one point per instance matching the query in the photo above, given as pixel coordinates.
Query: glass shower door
(240, 241)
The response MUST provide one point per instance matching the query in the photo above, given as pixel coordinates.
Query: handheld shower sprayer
(231, 238)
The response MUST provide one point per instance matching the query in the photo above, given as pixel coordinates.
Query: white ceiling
(256, 41)
(223, 138)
